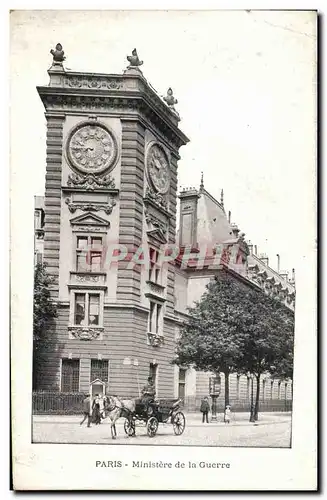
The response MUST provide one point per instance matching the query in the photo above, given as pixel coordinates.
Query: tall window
(154, 269)
(279, 386)
(238, 386)
(99, 369)
(87, 309)
(181, 383)
(155, 316)
(271, 389)
(88, 253)
(70, 375)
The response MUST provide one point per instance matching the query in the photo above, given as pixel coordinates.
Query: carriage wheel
(129, 427)
(178, 423)
(152, 426)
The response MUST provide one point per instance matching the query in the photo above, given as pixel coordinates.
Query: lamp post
(214, 391)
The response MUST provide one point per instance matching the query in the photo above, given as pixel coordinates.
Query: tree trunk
(252, 419)
(257, 397)
(226, 373)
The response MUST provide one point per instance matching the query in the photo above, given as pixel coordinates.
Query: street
(272, 430)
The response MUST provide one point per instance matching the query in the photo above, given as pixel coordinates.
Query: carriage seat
(141, 406)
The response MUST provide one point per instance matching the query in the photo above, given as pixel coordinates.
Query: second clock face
(158, 168)
(92, 148)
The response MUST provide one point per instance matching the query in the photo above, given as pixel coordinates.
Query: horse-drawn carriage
(155, 412)
(151, 414)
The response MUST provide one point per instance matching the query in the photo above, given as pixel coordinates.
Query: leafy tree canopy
(236, 328)
(44, 309)
(43, 314)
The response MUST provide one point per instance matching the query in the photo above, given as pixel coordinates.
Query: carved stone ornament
(86, 278)
(89, 229)
(90, 181)
(155, 222)
(134, 61)
(58, 54)
(155, 288)
(156, 198)
(91, 148)
(170, 99)
(155, 340)
(92, 82)
(85, 333)
(91, 207)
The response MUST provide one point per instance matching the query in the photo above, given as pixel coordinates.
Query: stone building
(123, 279)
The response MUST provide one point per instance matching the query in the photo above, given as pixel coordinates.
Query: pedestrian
(204, 409)
(227, 414)
(87, 410)
(96, 418)
(101, 406)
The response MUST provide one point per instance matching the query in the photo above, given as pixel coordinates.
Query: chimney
(278, 262)
(250, 245)
(293, 275)
(255, 250)
(229, 216)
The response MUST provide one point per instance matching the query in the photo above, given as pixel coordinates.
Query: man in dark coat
(204, 409)
(148, 393)
(96, 416)
(87, 410)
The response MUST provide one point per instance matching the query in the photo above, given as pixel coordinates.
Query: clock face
(158, 168)
(92, 148)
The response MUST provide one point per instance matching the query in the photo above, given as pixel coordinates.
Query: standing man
(96, 417)
(204, 409)
(87, 410)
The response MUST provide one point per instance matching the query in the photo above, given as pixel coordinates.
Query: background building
(111, 189)
(38, 229)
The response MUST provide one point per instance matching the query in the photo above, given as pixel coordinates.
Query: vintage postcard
(163, 246)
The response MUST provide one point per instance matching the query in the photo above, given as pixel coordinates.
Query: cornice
(103, 93)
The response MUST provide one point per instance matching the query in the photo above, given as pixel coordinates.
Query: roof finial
(201, 184)
(134, 61)
(170, 98)
(222, 198)
(58, 55)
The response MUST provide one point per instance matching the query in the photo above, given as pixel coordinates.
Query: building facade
(123, 276)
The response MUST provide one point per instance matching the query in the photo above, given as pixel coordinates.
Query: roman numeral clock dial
(158, 168)
(92, 148)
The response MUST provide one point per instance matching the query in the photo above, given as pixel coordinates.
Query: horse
(114, 408)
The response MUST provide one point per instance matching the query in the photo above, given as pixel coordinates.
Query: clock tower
(110, 212)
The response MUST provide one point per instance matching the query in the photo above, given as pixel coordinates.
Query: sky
(246, 90)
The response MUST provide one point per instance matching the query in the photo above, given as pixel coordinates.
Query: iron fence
(63, 403)
(57, 403)
(240, 405)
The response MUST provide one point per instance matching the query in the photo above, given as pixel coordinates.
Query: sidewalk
(192, 419)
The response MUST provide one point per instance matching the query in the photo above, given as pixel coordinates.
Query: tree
(235, 327)
(269, 343)
(44, 313)
(213, 337)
